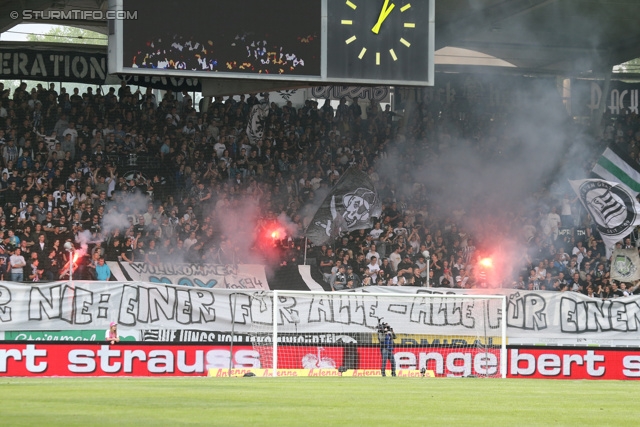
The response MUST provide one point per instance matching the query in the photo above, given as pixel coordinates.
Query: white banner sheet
(243, 276)
(531, 316)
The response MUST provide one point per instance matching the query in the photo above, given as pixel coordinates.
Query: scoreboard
(381, 42)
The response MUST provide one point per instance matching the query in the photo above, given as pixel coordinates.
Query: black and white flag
(625, 265)
(351, 205)
(257, 116)
(612, 206)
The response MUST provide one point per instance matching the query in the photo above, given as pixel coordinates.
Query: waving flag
(612, 206)
(617, 166)
(351, 205)
(255, 125)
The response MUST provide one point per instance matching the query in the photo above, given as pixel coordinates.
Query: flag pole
(305, 250)
(428, 259)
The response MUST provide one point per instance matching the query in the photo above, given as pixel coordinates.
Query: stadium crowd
(66, 172)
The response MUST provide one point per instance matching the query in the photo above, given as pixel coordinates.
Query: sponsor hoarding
(87, 359)
(94, 359)
(574, 363)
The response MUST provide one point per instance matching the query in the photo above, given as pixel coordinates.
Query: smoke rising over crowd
(481, 159)
(484, 170)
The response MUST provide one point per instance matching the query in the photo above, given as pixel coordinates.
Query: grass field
(315, 402)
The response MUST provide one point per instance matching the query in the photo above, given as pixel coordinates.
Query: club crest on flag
(611, 199)
(255, 126)
(357, 212)
(357, 207)
(625, 265)
(610, 206)
(351, 205)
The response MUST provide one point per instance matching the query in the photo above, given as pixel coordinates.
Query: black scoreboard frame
(318, 41)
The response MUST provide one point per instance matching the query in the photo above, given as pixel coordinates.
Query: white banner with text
(532, 317)
(242, 276)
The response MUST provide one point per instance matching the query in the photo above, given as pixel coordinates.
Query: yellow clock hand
(386, 10)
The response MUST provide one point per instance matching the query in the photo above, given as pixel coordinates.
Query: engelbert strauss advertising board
(533, 318)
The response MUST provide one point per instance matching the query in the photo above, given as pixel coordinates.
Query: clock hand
(386, 10)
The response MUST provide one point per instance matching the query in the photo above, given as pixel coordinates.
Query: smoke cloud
(511, 167)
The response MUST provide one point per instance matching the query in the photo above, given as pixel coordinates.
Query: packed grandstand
(131, 178)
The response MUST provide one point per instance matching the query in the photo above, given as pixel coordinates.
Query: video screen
(227, 36)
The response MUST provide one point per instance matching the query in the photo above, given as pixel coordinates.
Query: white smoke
(118, 212)
(497, 177)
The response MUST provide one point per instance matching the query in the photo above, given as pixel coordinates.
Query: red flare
(486, 262)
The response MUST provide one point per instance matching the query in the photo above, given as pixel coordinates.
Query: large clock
(380, 40)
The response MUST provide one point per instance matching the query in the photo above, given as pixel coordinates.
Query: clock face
(379, 40)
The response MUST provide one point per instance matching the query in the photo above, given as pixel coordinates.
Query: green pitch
(314, 402)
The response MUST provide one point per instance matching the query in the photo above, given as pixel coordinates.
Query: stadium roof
(569, 36)
(565, 36)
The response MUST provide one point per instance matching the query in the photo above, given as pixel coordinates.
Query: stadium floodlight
(342, 333)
